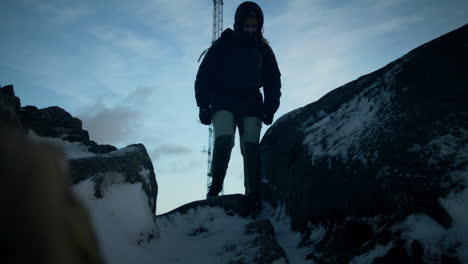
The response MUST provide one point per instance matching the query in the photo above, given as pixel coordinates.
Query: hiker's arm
(271, 83)
(205, 75)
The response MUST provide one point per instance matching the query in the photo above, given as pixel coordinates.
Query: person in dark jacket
(227, 91)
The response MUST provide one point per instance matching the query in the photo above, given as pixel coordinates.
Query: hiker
(227, 91)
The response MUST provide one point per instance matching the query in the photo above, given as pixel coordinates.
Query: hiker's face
(250, 28)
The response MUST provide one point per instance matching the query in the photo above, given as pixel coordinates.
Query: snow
(370, 256)
(339, 134)
(145, 175)
(73, 150)
(120, 152)
(76, 150)
(122, 220)
(451, 146)
(202, 235)
(288, 239)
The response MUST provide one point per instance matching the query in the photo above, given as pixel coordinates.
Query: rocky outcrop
(9, 106)
(131, 164)
(268, 248)
(233, 204)
(389, 144)
(256, 241)
(55, 122)
(104, 165)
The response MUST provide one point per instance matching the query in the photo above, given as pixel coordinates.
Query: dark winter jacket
(236, 67)
(232, 73)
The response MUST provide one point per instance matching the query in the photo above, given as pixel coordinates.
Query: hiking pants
(224, 125)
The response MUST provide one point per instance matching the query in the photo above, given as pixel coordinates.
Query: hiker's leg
(249, 130)
(224, 131)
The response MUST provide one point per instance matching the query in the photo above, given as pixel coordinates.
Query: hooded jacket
(236, 67)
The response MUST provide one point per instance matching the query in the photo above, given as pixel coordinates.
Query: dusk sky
(127, 68)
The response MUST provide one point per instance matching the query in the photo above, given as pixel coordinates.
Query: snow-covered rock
(377, 157)
(219, 230)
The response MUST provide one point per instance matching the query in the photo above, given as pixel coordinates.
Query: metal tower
(217, 30)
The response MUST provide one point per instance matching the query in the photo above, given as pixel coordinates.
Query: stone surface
(268, 248)
(389, 144)
(9, 106)
(131, 164)
(233, 204)
(52, 122)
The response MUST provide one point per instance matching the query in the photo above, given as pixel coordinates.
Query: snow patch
(124, 224)
(286, 238)
(340, 133)
(202, 235)
(73, 150)
(145, 175)
(370, 256)
(120, 152)
(436, 239)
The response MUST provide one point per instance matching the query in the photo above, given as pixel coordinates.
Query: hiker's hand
(267, 119)
(205, 115)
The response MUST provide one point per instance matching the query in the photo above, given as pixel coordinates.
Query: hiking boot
(252, 169)
(219, 164)
(256, 204)
(211, 194)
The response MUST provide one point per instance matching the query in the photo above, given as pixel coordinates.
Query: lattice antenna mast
(217, 30)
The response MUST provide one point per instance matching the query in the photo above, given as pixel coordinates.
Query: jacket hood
(243, 10)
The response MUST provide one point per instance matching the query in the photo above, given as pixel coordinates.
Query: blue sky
(127, 68)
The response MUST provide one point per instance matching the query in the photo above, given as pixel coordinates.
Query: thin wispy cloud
(120, 122)
(58, 12)
(130, 41)
(316, 44)
(167, 150)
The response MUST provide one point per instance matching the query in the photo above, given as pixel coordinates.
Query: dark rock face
(389, 144)
(233, 204)
(131, 164)
(53, 122)
(268, 248)
(9, 106)
(259, 246)
(56, 122)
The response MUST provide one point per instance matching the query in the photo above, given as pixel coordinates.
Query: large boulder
(52, 122)
(391, 143)
(225, 229)
(129, 165)
(57, 123)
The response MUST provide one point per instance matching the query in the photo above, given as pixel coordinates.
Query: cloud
(317, 44)
(119, 123)
(129, 40)
(170, 150)
(140, 96)
(58, 12)
(110, 125)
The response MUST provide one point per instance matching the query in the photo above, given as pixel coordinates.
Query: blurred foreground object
(42, 220)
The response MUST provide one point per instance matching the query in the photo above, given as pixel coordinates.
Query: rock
(265, 243)
(389, 144)
(102, 149)
(130, 165)
(9, 106)
(52, 122)
(56, 122)
(233, 204)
